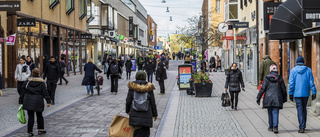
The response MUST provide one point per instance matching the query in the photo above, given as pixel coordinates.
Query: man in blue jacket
(300, 83)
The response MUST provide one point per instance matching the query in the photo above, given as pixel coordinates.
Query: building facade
(152, 34)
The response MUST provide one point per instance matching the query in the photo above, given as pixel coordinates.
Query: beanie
(273, 68)
(300, 60)
(141, 75)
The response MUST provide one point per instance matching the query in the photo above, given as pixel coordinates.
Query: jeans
(31, 120)
(301, 104)
(105, 68)
(273, 114)
(89, 88)
(114, 83)
(150, 77)
(234, 97)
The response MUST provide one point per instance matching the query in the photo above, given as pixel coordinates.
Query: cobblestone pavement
(92, 116)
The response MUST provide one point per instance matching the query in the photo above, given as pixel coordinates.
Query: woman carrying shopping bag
(275, 95)
(233, 81)
(33, 93)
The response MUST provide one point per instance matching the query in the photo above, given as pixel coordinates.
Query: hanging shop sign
(121, 37)
(131, 26)
(242, 38)
(10, 40)
(25, 22)
(139, 42)
(184, 76)
(10, 6)
(240, 24)
(228, 38)
(112, 33)
(269, 9)
(125, 39)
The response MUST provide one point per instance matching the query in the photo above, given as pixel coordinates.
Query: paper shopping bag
(120, 127)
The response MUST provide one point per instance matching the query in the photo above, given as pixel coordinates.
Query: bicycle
(98, 82)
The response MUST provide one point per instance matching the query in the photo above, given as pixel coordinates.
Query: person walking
(300, 83)
(173, 56)
(128, 65)
(22, 73)
(89, 76)
(212, 63)
(275, 95)
(120, 63)
(114, 71)
(161, 75)
(30, 63)
(33, 93)
(51, 72)
(142, 121)
(264, 67)
(140, 61)
(218, 63)
(105, 63)
(62, 66)
(150, 69)
(233, 81)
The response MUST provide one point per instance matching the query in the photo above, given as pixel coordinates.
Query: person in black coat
(161, 75)
(30, 63)
(44, 63)
(62, 66)
(212, 64)
(33, 93)
(128, 65)
(52, 73)
(114, 75)
(89, 79)
(141, 119)
(150, 69)
(275, 95)
(233, 81)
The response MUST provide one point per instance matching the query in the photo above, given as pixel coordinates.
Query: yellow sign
(150, 32)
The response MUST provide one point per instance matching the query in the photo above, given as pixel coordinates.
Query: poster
(194, 65)
(184, 76)
(11, 39)
(134, 64)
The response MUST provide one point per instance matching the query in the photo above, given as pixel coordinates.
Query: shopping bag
(225, 99)
(120, 127)
(21, 115)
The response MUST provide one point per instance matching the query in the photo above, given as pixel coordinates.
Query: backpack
(114, 69)
(140, 101)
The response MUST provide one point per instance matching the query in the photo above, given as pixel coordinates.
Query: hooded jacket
(141, 118)
(22, 74)
(275, 95)
(233, 81)
(301, 81)
(264, 69)
(161, 73)
(33, 93)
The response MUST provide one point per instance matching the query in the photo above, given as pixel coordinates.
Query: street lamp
(168, 9)
(170, 18)
(163, 1)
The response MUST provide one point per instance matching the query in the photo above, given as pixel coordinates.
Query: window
(241, 4)
(141, 32)
(104, 15)
(115, 16)
(90, 11)
(130, 4)
(245, 3)
(218, 9)
(53, 3)
(69, 6)
(82, 9)
(110, 17)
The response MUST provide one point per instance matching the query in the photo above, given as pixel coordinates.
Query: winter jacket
(89, 78)
(22, 72)
(52, 72)
(33, 93)
(109, 69)
(264, 69)
(212, 61)
(140, 60)
(161, 73)
(275, 95)
(138, 118)
(233, 81)
(62, 66)
(150, 67)
(31, 65)
(128, 65)
(301, 81)
(219, 62)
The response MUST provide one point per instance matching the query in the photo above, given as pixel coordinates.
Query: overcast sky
(180, 10)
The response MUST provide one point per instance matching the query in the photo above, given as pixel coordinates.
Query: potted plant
(202, 84)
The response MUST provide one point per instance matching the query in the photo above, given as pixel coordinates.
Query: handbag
(259, 88)
(21, 115)
(225, 99)
(120, 127)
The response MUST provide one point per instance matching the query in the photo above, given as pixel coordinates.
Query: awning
(311, 31)
(286, 23)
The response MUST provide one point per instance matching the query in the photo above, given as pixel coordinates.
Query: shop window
(83, 53)
(53, 3)
(70, 51)
(22, 37)
(69, 6)
(44, 29)
(35, 44)
(141, 32)
(82, 9)
(77, 55)
(218, 9)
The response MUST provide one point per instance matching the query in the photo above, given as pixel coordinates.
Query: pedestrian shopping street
(179, 115)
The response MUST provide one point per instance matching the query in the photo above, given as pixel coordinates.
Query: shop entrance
(46, 46)
(55, 47)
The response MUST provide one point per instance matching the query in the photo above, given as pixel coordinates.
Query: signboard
(131, 27)
(1, 40)
(228, 38)
(121, 37)
(10, 6)
(139, 42)
(86, 36)
(125, 39)
(241, 38)
(311, 15)
(269, 9)
(240, 24)
(194, 65)
(112, 34)
(134, 64)
(184, 76)
(26, 22)
(310, 4)
(11, 39)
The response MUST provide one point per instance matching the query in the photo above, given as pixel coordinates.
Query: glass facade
(83, 53)
(22, 37)
(70, 52)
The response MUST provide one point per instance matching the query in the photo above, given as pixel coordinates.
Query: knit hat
(300, 60)
(141, 75)
(273, 68)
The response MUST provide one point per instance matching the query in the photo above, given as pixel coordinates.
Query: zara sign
(26, 22)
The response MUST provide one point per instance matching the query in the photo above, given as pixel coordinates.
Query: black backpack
(114, 69)
(140, 101)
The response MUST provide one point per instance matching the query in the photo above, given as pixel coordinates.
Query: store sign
(131, 27)
(86, 36)
(112, 34)
(10, 6)
(242, 38)
(121, 37)
(311, 15)
(25, 22)
(125, 39)
(184, 76)
(240, 24)
(269, 9)
(139, 42)
(10, 40)
(228, 38)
